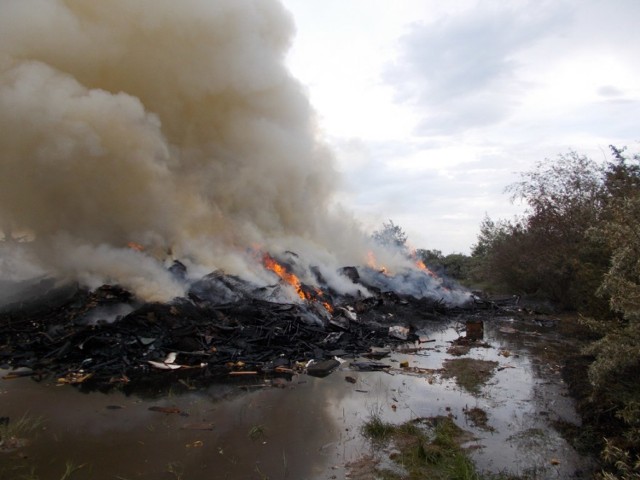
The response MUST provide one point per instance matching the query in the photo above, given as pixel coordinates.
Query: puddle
(308, 427)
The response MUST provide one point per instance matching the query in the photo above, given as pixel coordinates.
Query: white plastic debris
(164, 366)
(171, 358)
(399, 332)
(168, 363)
(349, 314)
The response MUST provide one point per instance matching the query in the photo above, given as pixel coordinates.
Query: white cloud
(462, 70)
(434, 107)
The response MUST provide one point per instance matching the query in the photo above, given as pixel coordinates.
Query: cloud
(437, 191)
(610, 91)
(463, 69)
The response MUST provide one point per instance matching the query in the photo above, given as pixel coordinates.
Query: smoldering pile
(225, 326)
(176, 126)
(137, 133)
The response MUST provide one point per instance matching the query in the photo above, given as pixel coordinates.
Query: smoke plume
(172, 127)
(175, 125)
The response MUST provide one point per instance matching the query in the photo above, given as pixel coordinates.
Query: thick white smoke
(170, 124)
(173, 125)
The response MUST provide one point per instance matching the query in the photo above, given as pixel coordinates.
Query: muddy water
(305, 428)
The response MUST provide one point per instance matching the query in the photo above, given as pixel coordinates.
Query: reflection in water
(308, 428)
(119, 436)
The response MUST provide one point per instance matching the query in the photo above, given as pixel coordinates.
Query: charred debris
(224, 327)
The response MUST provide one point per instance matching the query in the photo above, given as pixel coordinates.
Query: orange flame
(290, 278)
(420, 264)
(135, 246)
(286, 276)
(373, 263)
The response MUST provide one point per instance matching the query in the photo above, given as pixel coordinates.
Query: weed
(262, 475)
(376, 430)
(256, 432)
(70, 469)
(461, 468)
(469, 373)
(425, 448)
(478, 417)
(284, 463)
(176, 469)
(12, 434)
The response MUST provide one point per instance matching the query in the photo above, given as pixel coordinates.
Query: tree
(614, 372)
(547, 252)
(457, 266)
(454, 265)
(391, 236)
(581, 235)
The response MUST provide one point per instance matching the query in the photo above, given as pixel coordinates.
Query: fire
(325, 304)
(373, 263)
(290, 278)
(420, 264)
(286, 276)
(135, 246)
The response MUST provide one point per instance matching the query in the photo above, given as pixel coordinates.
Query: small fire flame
(421, 265)
(373, 263)
(320, 298)
(135, 246)
(270, 263)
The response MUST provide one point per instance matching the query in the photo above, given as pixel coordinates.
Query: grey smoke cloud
(171, 124)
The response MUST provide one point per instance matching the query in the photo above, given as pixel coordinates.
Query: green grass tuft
(376, 430)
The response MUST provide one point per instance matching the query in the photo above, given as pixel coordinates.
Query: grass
(13, 433)
(469, 373)
(70, 469)
(176, 469)
(256, 432)
(423, 448)
(478, 418)
(376, 430)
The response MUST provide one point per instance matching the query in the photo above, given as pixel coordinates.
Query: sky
(432, 108)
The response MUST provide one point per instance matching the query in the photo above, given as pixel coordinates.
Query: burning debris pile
(135, 134)
(224, 326)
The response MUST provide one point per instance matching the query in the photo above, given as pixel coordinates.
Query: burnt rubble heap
(223, 327)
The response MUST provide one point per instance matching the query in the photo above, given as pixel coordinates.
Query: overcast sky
(433, 107)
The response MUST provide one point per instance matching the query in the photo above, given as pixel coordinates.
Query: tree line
(578, 246)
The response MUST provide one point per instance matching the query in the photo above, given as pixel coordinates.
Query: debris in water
(474, 329)
(198, 426)
(323, 368)
(369, 366)
(399, 332)
(168, 410)
(74, 378)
